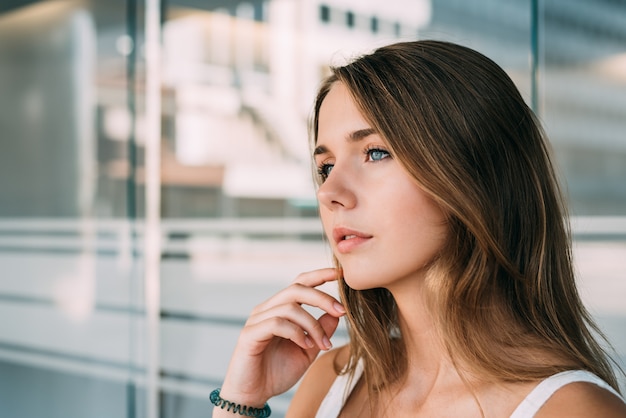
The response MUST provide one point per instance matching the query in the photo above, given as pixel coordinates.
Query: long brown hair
(506, 300)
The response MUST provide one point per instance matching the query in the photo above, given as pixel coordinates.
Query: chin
(356, 284)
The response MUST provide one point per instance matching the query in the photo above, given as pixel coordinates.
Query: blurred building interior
(238, 208)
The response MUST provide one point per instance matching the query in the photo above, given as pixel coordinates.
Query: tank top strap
(338, 393)
(544, 390)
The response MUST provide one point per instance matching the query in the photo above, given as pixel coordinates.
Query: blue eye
(324, 170)
(377, 154)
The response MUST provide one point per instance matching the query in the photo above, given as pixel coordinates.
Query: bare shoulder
(582, 399)
(316, 383)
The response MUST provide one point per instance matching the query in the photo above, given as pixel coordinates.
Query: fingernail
(339, 307)
(309, 343)
(327, 343)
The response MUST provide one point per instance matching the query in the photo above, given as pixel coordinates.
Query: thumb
(329, 323)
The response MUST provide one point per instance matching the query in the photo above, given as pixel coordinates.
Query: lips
(348, 240)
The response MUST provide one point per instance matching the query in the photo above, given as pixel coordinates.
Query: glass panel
(499, 29)
(239, 212)
(238, 205)
(69, 290)
(583, 104)
(583, 101)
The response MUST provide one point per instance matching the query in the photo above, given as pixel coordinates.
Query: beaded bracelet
(244, 410)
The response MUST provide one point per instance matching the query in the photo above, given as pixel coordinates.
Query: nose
(337, 191)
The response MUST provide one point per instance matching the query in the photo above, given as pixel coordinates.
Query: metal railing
(212, 271)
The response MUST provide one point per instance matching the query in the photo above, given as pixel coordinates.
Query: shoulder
(316, 382)
(583, 399)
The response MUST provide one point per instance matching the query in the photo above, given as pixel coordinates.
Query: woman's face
(382, 227)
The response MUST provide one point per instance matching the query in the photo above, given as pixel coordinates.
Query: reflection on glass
(584, 102)
(238, 202)
(68, 295)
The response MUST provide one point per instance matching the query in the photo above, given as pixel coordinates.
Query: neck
(427, 355)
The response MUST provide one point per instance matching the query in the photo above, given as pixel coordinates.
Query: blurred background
(155, 181)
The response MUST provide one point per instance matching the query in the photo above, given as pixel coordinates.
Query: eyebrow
(354, 136)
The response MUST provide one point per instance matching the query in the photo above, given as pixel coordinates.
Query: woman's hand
(280, 340)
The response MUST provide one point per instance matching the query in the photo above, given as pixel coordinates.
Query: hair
(506, 305)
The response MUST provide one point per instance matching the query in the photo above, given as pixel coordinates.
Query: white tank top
(339, 392)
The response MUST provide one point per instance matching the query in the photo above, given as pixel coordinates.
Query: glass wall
(72, 316)
(582, 101)
(238, 217)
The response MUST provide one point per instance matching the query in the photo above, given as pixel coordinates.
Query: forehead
(339, 115)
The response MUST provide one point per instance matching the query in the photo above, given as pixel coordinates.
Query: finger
(296, 314)
(262, 333)
(329, 324)
(317, 277)
(302, 295)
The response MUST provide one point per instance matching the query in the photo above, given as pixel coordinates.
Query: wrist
(255, 399)
(244, 409)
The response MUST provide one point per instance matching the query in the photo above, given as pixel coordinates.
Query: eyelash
(368, 151)
(323, 169)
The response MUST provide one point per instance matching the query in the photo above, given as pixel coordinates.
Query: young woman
(442, 208)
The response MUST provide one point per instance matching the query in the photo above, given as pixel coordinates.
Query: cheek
(419, 220)
(325, 217)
